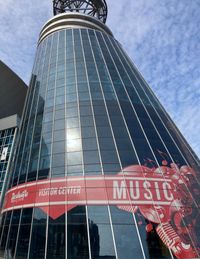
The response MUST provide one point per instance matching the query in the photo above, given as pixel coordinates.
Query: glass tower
(100, 170)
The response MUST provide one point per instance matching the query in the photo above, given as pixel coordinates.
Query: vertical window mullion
(134, 218)
(86, 209)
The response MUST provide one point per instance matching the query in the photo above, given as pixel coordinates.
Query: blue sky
(161, 37)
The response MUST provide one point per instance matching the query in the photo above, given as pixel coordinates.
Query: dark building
(100, 170)
(12, 97)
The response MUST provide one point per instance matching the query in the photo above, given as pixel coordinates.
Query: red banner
(160, 194)
(67, 193)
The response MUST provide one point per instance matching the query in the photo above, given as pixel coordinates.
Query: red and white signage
(90, 190)
(154, 192)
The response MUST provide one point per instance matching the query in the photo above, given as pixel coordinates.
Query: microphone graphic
(171, 239)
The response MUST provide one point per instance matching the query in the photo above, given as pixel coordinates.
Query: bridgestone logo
(19, 196)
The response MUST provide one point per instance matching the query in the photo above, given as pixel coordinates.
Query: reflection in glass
(37, 247)
(77, 238)
(56, 238)
(101, 239)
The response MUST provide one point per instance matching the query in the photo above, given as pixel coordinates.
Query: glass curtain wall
(6, 142)
(89, 114)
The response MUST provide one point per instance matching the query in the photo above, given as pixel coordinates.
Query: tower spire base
(95, 8)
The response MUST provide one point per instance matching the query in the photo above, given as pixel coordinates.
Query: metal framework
(95, 8)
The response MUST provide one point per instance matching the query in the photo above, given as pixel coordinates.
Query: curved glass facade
(100, 170)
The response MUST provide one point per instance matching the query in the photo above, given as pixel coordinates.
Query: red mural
(162, 195)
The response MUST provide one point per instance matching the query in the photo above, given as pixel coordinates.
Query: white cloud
(162, 37)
